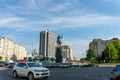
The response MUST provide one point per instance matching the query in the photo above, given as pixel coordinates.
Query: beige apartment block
(8, 48)
(66, 53)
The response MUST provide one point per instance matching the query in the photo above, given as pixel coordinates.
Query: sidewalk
(107, 65)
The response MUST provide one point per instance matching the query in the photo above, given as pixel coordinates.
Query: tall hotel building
(47, 44)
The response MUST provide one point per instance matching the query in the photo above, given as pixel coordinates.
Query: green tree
(91, 55)
(116, 43)
(98, 58)
(52, 59)
(14, 58)
(103, 56)
(111, 53)
(117, 46)
(29, 58)
(25, 58)
(0, 58)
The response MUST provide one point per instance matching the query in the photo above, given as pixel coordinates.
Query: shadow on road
(6, 74)
(91, 73)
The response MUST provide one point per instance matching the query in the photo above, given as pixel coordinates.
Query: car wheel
(15, 74)
(30, 76)
(44, 78)
(111, 78)
(118, 78)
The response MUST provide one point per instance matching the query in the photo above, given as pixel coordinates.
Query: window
(34, 65)
(21, 64)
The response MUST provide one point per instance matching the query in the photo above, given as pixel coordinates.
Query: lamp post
(109, 55)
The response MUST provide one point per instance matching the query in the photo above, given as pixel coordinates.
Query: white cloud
(82, 21)
(116, 36)
(59, 7)
(23, 6)
(9, 20)
(61, 22)
(32, 4)
(74, 21)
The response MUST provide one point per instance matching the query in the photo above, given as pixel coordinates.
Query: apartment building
(66, 53)
(8, 48)
(98, 45)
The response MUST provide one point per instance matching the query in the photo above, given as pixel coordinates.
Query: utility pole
(109, 55)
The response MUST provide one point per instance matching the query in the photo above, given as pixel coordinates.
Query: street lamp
(109, 55)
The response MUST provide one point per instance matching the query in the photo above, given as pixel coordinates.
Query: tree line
(110, 54)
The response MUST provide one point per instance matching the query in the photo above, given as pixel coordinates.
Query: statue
(59, 50)
(59, 41)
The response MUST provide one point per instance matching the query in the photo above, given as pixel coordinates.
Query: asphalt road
(93, 73)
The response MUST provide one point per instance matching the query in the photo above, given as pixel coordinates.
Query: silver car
(115, 73)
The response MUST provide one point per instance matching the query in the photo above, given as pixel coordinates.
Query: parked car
(31, 70)
(115, 73)
(5, 64)
(10, 65)
(1, 64)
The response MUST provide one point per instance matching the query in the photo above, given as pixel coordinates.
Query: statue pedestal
(58, 55)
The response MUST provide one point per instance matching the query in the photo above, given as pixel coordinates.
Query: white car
(31, 70)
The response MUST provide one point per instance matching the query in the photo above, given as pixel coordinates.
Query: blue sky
(79, 21)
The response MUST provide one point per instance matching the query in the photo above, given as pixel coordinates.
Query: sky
(79, 21)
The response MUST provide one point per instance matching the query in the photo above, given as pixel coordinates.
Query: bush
(88, 65)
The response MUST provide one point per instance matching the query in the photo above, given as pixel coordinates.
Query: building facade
(98, 45)
(66, 53)
(8, 48)
(47, 44)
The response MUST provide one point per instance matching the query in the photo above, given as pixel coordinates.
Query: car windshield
(117, 67)
(34, 65)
